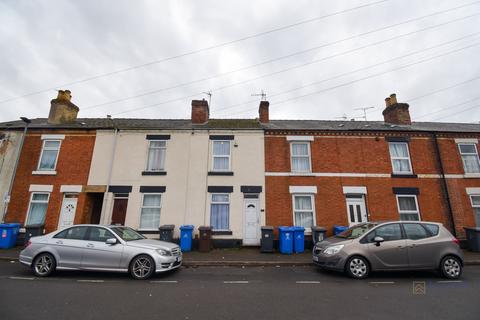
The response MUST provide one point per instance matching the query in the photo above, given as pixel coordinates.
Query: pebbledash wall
(9, 145)
(187, 180)
(351, 160)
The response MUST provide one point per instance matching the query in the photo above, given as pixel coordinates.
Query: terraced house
(330, 173)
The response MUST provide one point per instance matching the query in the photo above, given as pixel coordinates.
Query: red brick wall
(73, 167)
(367, 154)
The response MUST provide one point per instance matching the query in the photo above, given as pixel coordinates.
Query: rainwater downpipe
(445, 184)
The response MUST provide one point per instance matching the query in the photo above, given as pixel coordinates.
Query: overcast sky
(348, 55)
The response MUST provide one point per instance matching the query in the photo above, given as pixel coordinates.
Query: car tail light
(456, 241)
(27, 244)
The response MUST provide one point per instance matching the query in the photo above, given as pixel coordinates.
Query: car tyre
(44, 265)
(451, 267)
(357, 267)
(142, 267)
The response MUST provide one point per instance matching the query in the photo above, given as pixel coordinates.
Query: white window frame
(217, 202)
(36, 201)
(49, 148)
(229, 156)
(148, 155)
(398, 196)
(149, 207)
(312, 199)
(401, 158)
(469, 154)
(309, 155)
(475, 207)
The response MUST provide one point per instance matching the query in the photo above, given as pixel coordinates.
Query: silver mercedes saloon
(396, 245)
(100, 248)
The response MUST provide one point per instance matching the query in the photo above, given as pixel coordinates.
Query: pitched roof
(244, 124)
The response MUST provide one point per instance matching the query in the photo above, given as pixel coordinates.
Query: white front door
(67, 213)
(252, 223)
(356, 210)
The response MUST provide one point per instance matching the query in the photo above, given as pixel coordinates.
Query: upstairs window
(469, 154)
(300, 154)
(49, 155)
(221, 155)
(400, 157)
(408, 207)
(156, 155)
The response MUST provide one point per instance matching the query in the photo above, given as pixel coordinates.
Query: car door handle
(90, 245)
(59, 242)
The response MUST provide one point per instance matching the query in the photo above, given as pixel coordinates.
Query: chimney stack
(263, 112)
(62, 110)
(200, 111)
(396, 113)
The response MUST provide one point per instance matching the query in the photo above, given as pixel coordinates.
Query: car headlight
(333, 249)
(164, 252)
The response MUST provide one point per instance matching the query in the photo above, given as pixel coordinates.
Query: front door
(67, 213)
(356, 210)
(119, 211)
(252, 223)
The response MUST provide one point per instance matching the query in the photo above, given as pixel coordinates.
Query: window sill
(220, 173)
(154, 173)
(307, 174)
(45, 172)
(471, 175)
(222, 233)
(404, 175)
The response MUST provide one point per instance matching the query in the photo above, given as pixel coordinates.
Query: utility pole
(364, 111)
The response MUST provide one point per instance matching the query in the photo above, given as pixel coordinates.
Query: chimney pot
(396, 113)
(263, 112)
(200, 111)
(62, 110)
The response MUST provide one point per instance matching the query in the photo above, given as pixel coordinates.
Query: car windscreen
(127, 234)
(356, 231)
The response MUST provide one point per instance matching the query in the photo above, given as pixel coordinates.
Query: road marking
(94, 281)
(449, 281)
(307, 282)
(382, 282)
(164, 281)
(22, 278)
(235, 282)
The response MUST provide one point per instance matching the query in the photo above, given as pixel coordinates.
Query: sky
(313, 59)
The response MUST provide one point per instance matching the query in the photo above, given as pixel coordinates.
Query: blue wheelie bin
(285, 236)
(339, 229)
(8, 234)
(299, 242)
(186, 237)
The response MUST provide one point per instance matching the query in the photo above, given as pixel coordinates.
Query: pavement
(246, 256)
(277, 292)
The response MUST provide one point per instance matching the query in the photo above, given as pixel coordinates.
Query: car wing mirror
(111, 241)
(378, 240)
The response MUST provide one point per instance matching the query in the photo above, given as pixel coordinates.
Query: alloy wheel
(452, 267)
(358, 267)
(142, 267)
(43, 265)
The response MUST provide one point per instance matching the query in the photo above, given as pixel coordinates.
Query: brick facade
(337, 157)
(72, 168)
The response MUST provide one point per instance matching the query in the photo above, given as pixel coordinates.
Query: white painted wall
(188, 160)
(8, 154)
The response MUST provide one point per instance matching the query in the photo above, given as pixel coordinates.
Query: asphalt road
(237, 293)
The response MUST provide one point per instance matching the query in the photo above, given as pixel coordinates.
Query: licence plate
(315, 258)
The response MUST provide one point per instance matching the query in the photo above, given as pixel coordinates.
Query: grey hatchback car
(398, 245)
(101, 248)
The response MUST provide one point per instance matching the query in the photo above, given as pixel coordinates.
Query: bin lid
(285, 229)
(205, 228)
(186, 227)
(317, 228)
(472, 228)
(297, 228)
(167, 227)
(267, 228)
(30, 226)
